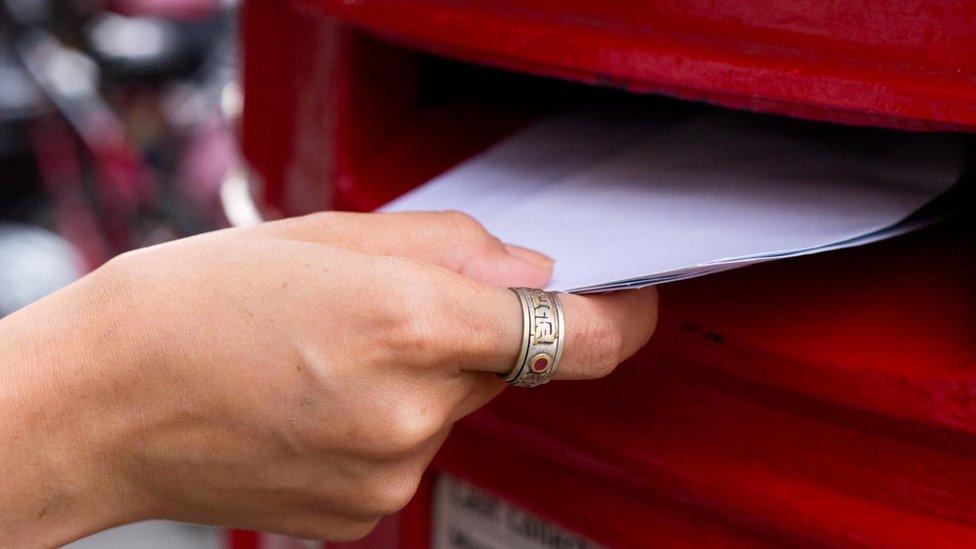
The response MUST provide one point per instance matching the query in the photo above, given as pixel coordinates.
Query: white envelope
(625, 198)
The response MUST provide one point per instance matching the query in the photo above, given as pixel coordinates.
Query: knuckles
(468, 232)
(351, 531)
(414, 339)
(392, 495)
(463, 224)
(379, 496)
(417, 319)
(322, 219)
(329, 528)
(406, 430)
(398, 457)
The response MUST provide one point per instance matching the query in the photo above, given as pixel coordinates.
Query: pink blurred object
(168, 9)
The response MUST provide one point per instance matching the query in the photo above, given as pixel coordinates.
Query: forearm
(58, 471)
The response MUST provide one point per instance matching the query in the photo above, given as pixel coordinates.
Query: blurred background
(117, 130)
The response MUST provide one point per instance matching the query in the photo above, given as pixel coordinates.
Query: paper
(626, 198)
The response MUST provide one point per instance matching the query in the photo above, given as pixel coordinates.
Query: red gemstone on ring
(540, 364)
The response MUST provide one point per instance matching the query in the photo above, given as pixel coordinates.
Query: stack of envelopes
(623, 197)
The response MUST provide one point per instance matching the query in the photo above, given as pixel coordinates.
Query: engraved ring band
(542, 338)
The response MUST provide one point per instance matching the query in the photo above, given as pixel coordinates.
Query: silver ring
(542, 338)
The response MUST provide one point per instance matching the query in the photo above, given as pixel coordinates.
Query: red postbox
(829, 400)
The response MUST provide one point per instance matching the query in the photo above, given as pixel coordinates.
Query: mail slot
(827, 400)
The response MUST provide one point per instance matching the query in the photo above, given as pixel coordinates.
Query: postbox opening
(774, 403)
(374, 119)
(406, 116)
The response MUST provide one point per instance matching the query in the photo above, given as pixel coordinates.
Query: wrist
(63, 409)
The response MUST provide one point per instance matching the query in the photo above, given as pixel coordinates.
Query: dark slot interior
(435, 112)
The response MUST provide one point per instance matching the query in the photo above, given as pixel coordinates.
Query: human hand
(299, 376)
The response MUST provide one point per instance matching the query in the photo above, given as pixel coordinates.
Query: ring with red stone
(542, 338)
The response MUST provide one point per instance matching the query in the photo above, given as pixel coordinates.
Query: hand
(299, 376)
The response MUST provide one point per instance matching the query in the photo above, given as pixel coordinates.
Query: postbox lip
(798, 80)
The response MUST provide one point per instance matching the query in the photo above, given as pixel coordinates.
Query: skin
(293, 377)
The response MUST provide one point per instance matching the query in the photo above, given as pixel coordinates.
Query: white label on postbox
(465, 517)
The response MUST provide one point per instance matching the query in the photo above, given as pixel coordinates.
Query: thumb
(452, 240)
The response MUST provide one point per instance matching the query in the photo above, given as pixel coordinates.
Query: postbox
(827, 400)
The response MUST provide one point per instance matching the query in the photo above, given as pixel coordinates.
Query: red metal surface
(827, 400)
(329, 114)
(902, 63)
(241, 539)
(824, 400)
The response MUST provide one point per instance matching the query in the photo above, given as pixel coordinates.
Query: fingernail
(531, 256)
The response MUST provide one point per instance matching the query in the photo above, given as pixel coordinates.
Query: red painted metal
(903, 63)
(827, 400)
(242, 539)
(823, 400)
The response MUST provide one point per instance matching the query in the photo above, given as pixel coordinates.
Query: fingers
(601, 331)
(312, 524)
(604, 330)
(452, 240)
(532, 256)
(385, 487)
